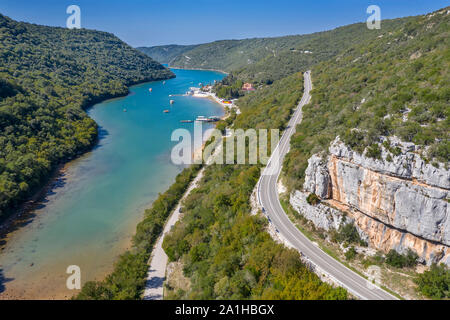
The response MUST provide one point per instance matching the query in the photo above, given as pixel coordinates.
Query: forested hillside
(48, 76)
(165, 54)
(264, 60)
(366, 84)
(397, 84)
(399, 71)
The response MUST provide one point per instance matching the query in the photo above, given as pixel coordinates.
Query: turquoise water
(91, 213)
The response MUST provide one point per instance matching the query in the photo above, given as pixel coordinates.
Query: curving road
(268, 198)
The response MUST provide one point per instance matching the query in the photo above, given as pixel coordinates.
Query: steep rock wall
(323, 216)
(398, 203)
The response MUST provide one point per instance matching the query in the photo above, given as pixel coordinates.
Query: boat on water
(166, 111)
(124, 110)
(172, 101)
(164, 82)
(209, 119)
(213, 118)
(150, 89)
(186, 121)
(201, 119)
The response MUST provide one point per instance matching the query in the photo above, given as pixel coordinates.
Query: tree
(395, 259)
(434, 283)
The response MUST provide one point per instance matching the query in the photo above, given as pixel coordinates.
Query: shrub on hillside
(313, 199)
(395, 259)
(348, 234)
(434, 283)
(374, 151)
(351, 253)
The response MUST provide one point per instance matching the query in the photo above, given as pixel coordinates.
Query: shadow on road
(154, 283)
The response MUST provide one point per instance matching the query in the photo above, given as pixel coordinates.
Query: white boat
(202, 119)
(213, 118)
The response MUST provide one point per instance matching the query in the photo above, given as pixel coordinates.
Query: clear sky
(156, 22)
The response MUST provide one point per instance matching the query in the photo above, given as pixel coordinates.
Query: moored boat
(213, 118)
(201, 119)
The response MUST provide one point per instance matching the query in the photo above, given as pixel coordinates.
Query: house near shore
(248, 87)
(207, 88)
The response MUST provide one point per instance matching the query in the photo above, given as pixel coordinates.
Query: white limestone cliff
(398, 201)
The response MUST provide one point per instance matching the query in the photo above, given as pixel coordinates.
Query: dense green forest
(265, 60)
(397, 84)
(48, 76)
(165, 54)
(262, 61)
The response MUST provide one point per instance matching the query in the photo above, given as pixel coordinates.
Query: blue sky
(156, 22)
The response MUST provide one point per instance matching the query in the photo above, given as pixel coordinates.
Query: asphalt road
(268, 197)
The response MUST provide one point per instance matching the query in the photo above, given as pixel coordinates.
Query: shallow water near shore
(90, 214)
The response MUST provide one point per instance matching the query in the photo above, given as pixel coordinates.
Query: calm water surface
(91, 214)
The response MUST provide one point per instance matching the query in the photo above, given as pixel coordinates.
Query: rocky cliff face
(323, 216)
(398, 201)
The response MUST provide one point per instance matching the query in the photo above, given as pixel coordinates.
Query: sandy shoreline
(212, 96)
(208, 133)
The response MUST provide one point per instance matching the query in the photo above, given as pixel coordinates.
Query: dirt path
(157, 271)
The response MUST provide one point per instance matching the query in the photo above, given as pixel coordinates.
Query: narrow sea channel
(89, 216)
